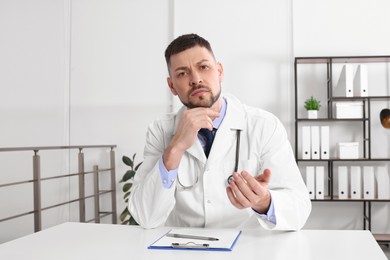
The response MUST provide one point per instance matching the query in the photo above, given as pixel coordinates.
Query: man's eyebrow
(186, 68)
(201, 61)
(181, 68)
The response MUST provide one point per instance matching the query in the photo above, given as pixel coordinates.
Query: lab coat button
(209, 201)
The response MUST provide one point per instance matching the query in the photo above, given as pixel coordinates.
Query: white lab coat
(264, 144)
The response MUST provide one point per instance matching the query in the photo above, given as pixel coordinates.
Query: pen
(189, 245)
(192, 237)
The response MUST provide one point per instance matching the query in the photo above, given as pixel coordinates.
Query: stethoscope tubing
(230, 178)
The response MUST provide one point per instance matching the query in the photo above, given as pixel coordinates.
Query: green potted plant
(312, 106)
(125, 217)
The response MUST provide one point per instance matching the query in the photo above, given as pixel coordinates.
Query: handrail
(81, 177)
(35, 148)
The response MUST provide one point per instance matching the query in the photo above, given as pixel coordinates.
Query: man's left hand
(247, 191)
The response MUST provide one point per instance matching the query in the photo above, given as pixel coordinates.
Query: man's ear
(220, 72)
(170, 85)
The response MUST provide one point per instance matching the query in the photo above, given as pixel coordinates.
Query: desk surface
(103, 241)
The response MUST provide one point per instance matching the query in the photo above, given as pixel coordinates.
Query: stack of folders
(367, 182)
(350, 84)
(315, 181)
(315, 142)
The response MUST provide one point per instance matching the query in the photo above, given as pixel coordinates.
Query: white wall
(33, 104)
(252, 41)
(93, 72)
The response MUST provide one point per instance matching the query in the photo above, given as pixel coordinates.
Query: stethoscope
(230, 178)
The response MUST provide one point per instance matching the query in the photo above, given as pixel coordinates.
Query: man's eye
(182, 74)
(204, 67)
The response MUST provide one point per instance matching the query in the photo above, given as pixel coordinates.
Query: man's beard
(202, 101)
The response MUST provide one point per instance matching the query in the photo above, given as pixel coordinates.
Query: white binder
(310, 181)
(320, 180)
(315, 142)
(356, 186)
(343, 182)
(368, 182)
(360, 82)
(344, 87)
(383, 181)
(306, 151)
(325, 142)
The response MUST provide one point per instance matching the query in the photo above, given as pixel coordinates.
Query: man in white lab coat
(248, 178)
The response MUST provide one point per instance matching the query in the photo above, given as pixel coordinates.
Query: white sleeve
(149, 202)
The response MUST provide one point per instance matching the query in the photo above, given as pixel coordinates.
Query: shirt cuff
(270, 216)
(167, 177)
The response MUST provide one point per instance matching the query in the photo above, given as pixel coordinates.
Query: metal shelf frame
(365, 121)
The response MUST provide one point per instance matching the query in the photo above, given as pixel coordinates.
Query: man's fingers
(201, 117)
(253, 185)
(243, 191)
(264, 177)
(232, 198)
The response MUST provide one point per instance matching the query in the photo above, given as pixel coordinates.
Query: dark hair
(185, 42)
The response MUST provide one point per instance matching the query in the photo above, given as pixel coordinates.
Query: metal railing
(81, 181)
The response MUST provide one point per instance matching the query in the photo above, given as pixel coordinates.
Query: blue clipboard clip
(189, 245)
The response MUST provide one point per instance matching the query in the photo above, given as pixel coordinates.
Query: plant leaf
(134, 156)
(128, 175)
(126, 160)
(136, 167)
(132, 221)
(124, 214)
(126, 195)
(127, 187)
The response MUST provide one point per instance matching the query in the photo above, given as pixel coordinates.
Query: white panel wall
(33, 105)
(118, 74)
(33, 78)
(341, 28)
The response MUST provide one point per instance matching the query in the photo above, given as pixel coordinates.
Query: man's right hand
(191, 122)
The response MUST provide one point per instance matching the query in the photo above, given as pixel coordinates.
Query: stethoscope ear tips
(385, 117)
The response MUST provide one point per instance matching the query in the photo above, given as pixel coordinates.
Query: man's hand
(248, 191)
(190, 123)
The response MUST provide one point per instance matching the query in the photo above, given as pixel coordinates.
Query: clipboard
(197, 239)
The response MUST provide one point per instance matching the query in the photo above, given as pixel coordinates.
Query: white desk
(102, 241)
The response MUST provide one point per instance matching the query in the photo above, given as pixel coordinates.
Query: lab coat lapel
(225, 139)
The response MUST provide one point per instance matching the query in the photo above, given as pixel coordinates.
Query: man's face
(195, 77)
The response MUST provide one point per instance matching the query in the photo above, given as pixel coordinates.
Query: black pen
(192, 237)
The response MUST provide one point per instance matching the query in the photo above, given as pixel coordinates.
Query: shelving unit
(365, 122)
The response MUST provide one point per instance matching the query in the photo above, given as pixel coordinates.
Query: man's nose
(196, 79)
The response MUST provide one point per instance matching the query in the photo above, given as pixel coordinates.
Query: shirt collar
(217, 122)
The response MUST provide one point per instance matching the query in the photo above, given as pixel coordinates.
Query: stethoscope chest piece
(230, 179)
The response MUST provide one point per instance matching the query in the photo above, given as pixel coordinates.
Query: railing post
(37, 192)
(113, 186)
(81, 186)
(96, 192)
